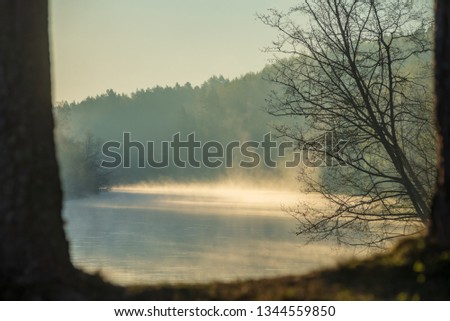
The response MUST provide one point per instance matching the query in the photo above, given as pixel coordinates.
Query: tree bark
(33, 247)
(440, 217)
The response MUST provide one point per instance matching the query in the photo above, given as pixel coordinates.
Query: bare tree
(33, 249)
(359, 70)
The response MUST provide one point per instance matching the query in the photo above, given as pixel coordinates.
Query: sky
(126, 45)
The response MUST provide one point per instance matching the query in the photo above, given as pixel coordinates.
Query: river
(192, 233)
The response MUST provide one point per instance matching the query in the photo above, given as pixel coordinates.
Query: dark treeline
(219, 110)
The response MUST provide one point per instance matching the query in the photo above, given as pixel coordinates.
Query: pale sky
(133, 44)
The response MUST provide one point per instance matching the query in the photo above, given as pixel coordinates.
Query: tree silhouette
(440, 217)
(33, 248)
(359, 70)
(33, 245)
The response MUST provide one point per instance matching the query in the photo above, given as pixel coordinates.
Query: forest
(374, 75)
(219, 110)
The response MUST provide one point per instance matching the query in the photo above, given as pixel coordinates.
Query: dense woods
(220, 110)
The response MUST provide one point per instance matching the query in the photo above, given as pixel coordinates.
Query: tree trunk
(440, 217)
(33, 248)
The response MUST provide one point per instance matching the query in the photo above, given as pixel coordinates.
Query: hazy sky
(131, 44)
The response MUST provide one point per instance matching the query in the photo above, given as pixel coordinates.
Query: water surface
(191, 234)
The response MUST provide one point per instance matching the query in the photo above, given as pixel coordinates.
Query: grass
(413, 270)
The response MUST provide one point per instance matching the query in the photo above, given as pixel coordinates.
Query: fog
(193, 232)
(177, 224)
(226, 197)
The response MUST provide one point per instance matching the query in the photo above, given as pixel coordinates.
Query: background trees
(220, 109)
(360, 70)
(79, 160)
(33, 248)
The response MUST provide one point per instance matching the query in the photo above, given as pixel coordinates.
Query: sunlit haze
(129, 45)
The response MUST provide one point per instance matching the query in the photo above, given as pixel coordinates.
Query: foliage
(79, 161)
(220, 109)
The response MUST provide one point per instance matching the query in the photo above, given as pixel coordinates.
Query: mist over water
(192, 233)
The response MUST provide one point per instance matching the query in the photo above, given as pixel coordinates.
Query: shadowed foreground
(413, 270)
(34, 255)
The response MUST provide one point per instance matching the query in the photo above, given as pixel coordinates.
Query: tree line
(219, 110)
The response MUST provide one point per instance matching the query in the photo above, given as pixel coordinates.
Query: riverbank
(413, 270)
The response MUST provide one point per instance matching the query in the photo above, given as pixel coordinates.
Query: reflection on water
(190, 234)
